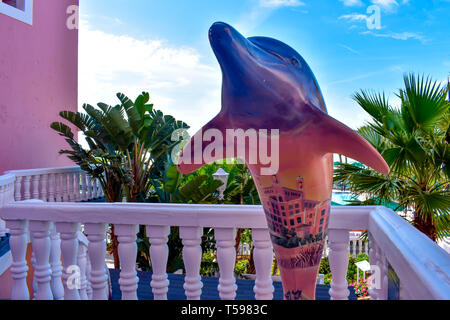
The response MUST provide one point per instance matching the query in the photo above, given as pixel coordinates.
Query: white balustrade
(89, 291)
(338, 257)
(422, 266)
(55, 185)
(96, 233)
(18, 189)
(82, 263)
(26, 187)
(52, 187)
(69, 248)
(71, 188)
(44, 183)
(41, 247)
(128, 281)
(55, 263)
(77, 191)
(88, 187)
(226, 257)
(18, 242)
(35, 186)
(84, 196)
(263, 258)
(192, 256)
(159, 253)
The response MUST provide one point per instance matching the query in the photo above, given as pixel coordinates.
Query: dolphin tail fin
(338, 138)
(192, 158)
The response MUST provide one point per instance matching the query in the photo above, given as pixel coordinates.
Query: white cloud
(281, 3)
(352, 3)
(399, 36)
(179, 82)
(354, 17)
(387, 5)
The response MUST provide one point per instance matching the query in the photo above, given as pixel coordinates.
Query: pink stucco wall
(38, 78)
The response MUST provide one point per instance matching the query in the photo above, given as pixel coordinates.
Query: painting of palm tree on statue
(298, 229)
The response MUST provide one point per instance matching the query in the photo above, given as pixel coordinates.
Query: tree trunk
(251, 264)
(115, 248)
(425, 225)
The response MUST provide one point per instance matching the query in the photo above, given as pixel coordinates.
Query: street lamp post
(221, 175)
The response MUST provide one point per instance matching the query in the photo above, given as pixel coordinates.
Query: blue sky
(161, 46)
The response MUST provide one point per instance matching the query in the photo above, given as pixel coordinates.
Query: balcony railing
(422, 267)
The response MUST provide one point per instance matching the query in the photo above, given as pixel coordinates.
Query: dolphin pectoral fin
(336, 137)
(192, 158)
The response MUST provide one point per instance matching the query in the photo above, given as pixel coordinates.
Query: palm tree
(412, 140)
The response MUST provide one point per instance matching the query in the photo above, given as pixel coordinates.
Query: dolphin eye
(295, 62)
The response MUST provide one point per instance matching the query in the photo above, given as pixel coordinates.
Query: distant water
(341, 196)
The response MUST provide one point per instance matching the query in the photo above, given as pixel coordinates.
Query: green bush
(208, 264)
(351, 271)
(241, 267)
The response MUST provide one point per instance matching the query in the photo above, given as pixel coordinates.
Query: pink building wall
(38, 78)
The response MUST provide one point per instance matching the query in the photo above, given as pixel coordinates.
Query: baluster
(95, 189)
(226, 257)
(379, 265)
(51, 187)
(159, 253)
(18, 189)
(82, 263)
(58, 187)
(44, 182)
(33, 265)
(41, 247)
(89, 187)
(35, 186)
(88, 278)
(376, 280)
(108, 282)
(18, 244)
(55, 263)
(69, 248)
(83, 187)
(127, 253)
(192, 256)
(263, 257)
(77, 187)
(96, 250)
(26, 187)
(366, 247)
(354, 248)
(338, 257)
(71, 188)
(65, 193)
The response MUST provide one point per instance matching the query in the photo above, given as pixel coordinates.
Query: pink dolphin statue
(269, 90)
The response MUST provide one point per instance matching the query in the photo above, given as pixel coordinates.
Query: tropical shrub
(128, 143)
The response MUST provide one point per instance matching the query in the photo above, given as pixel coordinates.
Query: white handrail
(421, 265)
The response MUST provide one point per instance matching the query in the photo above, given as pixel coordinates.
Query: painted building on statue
(289, 209)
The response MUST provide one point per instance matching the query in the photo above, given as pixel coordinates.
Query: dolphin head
(268, 85)
(265, 75)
